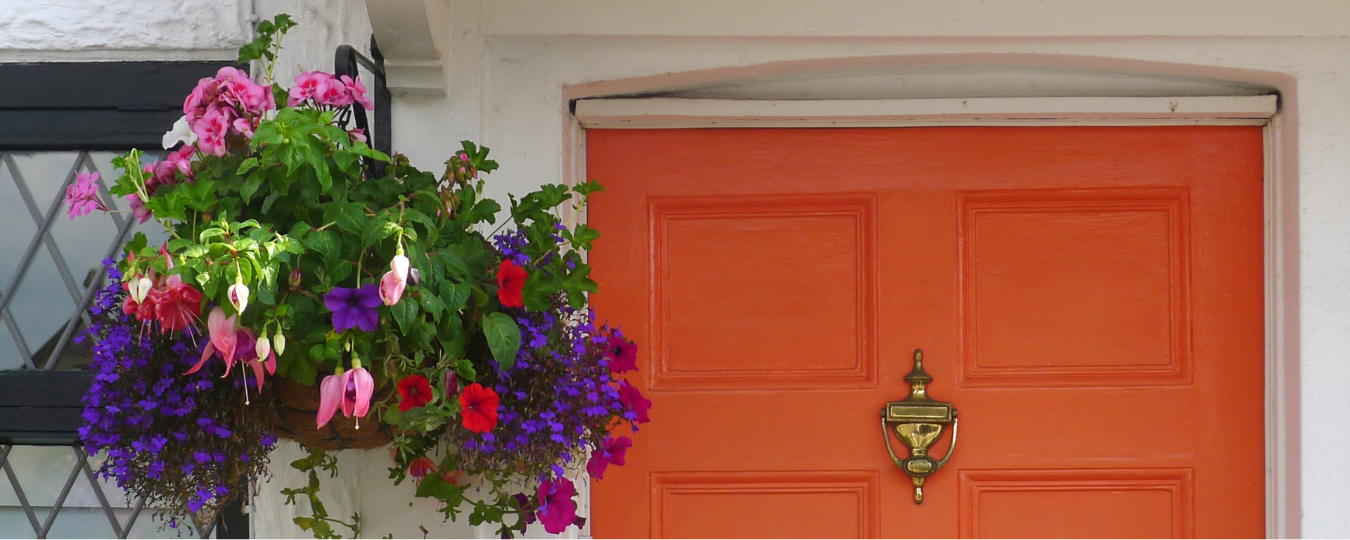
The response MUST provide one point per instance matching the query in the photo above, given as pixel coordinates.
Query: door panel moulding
(670, 113)
(596, 105)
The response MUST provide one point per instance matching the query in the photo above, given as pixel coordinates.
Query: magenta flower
(621, 352)
(82, 196)
(354, 308)
(138, 209)
(613, 451)
(632, 398)
(557, 510)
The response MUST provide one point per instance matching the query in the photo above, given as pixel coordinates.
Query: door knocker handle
(918, 421)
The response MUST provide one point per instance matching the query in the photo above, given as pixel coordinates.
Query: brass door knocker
(918, 421)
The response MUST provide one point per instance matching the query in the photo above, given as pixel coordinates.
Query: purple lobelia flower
(354, 308)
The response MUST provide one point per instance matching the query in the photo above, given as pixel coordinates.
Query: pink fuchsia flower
(557, 510)
(357, 134)
(394, 281)
(246, 351)
(238, 294)
(224, 340)
(354, 308)
(178, 306)
(138, 209)
(357, 387)
(82, 196)
(243, 127)
(632, 398)
(308, 85)
(612, 451)
(211, 130)
(357, 92)
(419, 468)
(330, 396)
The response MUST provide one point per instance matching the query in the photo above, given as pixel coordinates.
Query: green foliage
(319, 523)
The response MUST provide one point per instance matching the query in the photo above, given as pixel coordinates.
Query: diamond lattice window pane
(42, 306)
(16, 226)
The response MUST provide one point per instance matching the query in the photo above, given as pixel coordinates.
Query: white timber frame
(1282, 406)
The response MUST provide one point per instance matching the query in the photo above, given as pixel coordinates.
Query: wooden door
(1089, 299)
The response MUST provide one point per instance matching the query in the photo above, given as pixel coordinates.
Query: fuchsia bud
(295, 278)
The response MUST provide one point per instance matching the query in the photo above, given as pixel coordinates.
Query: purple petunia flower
(354, 308)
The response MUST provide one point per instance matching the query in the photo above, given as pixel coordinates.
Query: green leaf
(464, 368)
(211, 233)
(586, 189)
(247, 165)
(503, 337)
(327, 243)
(350, 217)
(303, 371)
(583, 236)
(404, 312)
(456, 295)
(432, 304)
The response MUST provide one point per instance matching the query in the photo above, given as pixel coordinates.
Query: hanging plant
(301, 294)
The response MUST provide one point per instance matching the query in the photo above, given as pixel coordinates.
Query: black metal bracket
(346, 63)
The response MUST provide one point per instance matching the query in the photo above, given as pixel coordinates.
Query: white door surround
(1157, 93)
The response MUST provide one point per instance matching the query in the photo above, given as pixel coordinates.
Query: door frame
(1274, 112)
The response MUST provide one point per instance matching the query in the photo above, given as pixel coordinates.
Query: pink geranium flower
(211, 130)
(138, 209)
(357, 92)
(307, 85)
(82, 196)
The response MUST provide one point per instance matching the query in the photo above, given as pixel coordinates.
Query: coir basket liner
(295, 407)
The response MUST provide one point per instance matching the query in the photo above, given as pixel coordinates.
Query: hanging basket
(296, 406)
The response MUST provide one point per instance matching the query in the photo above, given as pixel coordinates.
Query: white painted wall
(510, 61)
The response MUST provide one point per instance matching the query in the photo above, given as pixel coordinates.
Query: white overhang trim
(669, 113)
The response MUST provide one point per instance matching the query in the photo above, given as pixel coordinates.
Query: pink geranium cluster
(228, 104)
(324, 90)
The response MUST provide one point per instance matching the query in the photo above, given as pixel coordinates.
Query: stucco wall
(510, 60)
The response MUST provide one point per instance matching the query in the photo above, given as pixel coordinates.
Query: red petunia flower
(510, 284)
(478, 406)
(413, 391)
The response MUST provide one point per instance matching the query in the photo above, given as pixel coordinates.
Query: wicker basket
(295, 407)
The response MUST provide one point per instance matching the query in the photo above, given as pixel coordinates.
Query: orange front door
(1088, 298)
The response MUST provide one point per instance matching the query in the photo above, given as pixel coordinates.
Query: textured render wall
(38, 30)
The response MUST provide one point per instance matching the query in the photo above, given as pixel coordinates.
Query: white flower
(180, 133)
